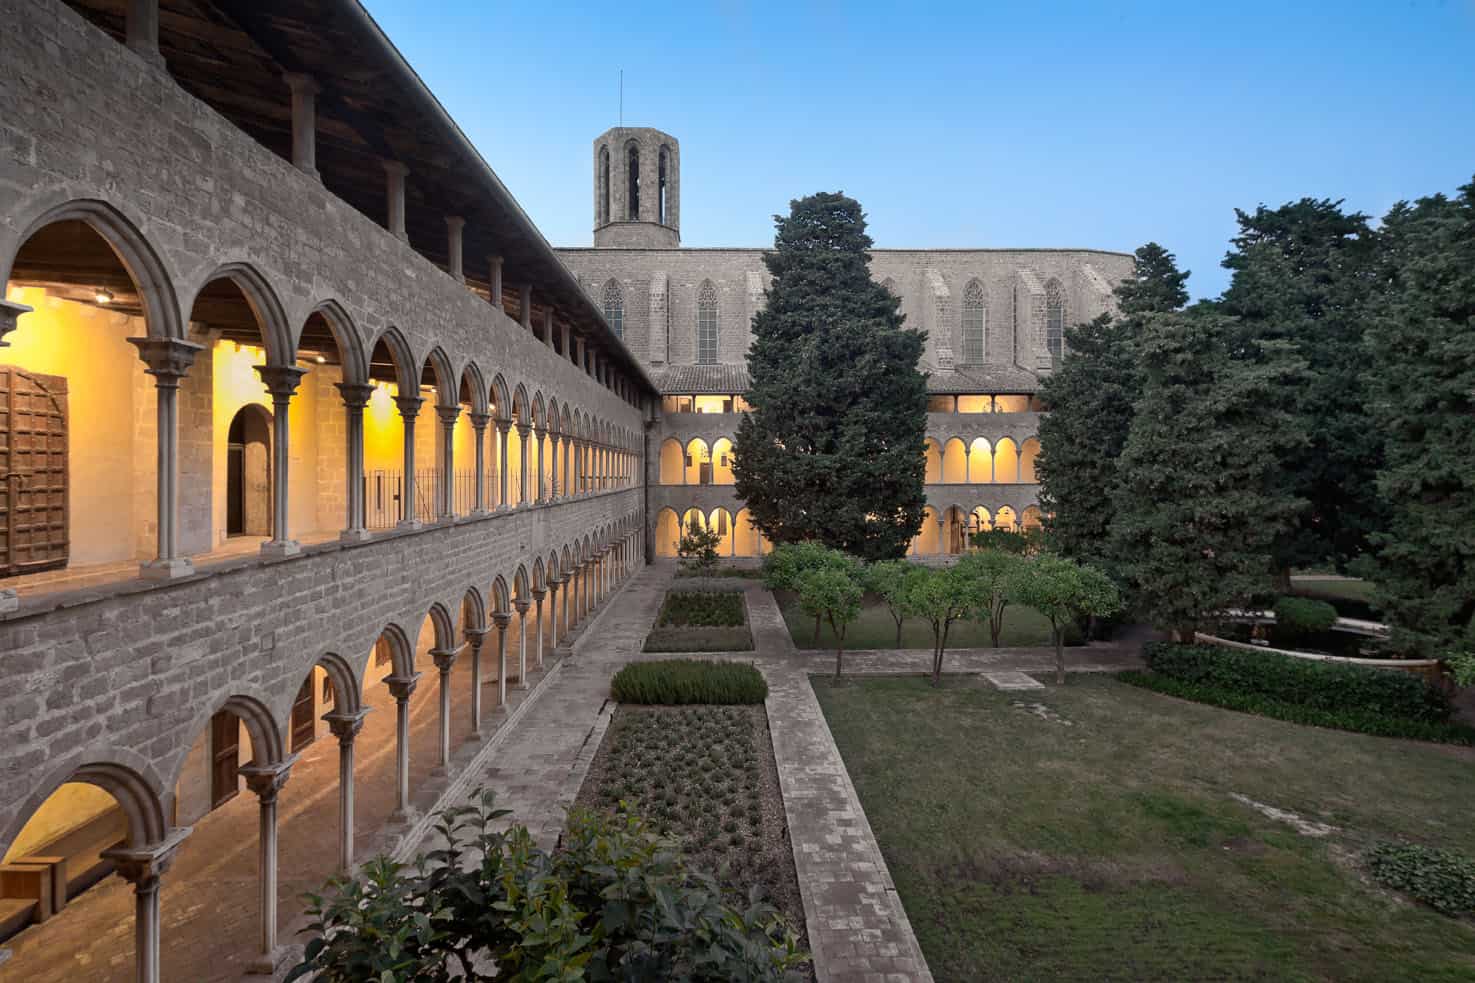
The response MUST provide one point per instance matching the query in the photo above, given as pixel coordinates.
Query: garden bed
(875, 629)
(705, 776)
(704, 617)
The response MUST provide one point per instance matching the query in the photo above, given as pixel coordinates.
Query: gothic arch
(708, 322)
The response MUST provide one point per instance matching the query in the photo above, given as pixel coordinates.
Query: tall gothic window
(975, 323)
(614, 308)
(632, 197)
(661, 176)
(603, 185)
(1054, 318)
(707, 324)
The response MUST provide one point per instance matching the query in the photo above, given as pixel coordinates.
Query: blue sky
(971, 124)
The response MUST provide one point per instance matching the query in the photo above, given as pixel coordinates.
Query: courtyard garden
(702, 616)
(1101, 831)
(875, 628)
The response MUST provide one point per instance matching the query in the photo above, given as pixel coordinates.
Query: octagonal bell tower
(637, 188)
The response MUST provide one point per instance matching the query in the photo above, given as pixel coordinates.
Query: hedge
(1334, 687)
(697, 639)
(1355, 720)
(680, 681)
(703, 608)
(1442, 879)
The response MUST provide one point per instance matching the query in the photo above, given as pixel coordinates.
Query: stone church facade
(994, 320)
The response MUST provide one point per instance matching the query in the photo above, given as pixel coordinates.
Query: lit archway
(954, 462)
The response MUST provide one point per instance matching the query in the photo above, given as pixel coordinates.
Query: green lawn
(1026, 849)
(1354, 590)
(874, 629)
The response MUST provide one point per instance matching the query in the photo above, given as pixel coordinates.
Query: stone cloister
(295, 500)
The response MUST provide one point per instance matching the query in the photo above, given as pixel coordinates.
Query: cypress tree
(832, 450)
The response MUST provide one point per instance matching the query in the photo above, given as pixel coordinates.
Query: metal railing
(383, 490)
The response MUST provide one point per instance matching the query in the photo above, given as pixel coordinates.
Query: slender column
(538, 434)
(495, 265)
(569, 581)
(304, 122)
(444, 660)
(522, 605)
(10, 312)
(345, 727)
(143, 867)
(553, 584)
(525, 485)
(266, 781)
(400, 687)
(503, 426)
(409, 408)
(525, 314)
(538, 595)
(142, 30)
(455, 226)
(394, 196)
(447, 504)
(355, 398)
(479, 423)
(281, 381)
(168, 360)
(475, 637)
(502, 619)
(560, 475)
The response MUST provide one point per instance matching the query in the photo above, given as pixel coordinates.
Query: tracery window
(707, 324)
(1054, 318)
(975, 321)
(614, 308)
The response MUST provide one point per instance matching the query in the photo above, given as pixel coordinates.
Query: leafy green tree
(1018, 542)
(1422, 376)
(887, 579)
(1064, 591)
(789, 561)
(1091, 396)
(832, 450)
(1200, 499)
(1303, 274)
(989, 574)
(833, 594)
(940, 596)
(698, 548)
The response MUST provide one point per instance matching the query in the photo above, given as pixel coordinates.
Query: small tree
(989, 574)
(787, 563)
(1063, 591)
(939, 597)
(698, 548)
(1006, 540)
(833, 594)
(888, 580)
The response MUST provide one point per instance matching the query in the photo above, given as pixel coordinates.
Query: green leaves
(681, 681)
(1442, 879)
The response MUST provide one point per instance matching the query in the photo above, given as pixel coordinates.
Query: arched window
(614, 308)
(1054, 318)
(662, 185)
(975, 321)
(632, 196)
(707, 324)
(603, 185)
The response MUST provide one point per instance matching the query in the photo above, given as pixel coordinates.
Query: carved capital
(168, 359)
(355, 394)
(280, 380)
(9, 314)
(523, 429)
(501, 619)
(400, 687)
(522, 604)
(539, 593)
(444, 659)
(479, 421)
(143, 866)
(448, 415)
(267, 780)
(503, 426)
(409, 406)
(345, 726)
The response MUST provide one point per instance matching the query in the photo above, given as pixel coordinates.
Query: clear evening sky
(981, 124)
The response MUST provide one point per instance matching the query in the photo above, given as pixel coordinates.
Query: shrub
(1357, 721)
(1336, 687)
(698, 548)
(677, 681)
(711, 608)
(695, 639)
(1442, 879)
(614, 902)
(783, 567)
(1301, 617)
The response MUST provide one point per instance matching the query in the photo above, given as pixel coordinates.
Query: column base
(166, 569)
(409, 524)
(9, 601)
(477, 513)
(403, 817)
(280, 549)
(266, 965)
(355, 536)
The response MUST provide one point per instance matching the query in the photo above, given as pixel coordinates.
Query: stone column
(394, 196)
(447, 503)
(142, 30)
(495, 264)
(400, 687)
(455, 226)
(444, 660)
(568, 589)
(409, 408)
(554, 468)
(553, 584)
(522, 605)
(503, 427)
(143, 867)
(304, 122)
(345, 727)
(355, 398)
(281, 381)
(525, 486)
(538, 434)
(266, 781)
(538, 594)
(475, 637)
(502, 619)
(479, 423)
(168, 360)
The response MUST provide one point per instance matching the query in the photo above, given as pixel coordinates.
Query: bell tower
(637, 189)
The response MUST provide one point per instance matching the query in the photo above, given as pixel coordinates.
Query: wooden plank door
(225, 758)
(33, 471)
(303, 730)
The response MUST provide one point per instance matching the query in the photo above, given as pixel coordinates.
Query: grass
(1112, 848)
(874, 629)
(1353, 590)
(681, 681)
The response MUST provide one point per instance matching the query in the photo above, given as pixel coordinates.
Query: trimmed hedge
(1355, 720)
(1297, 617)
(702, 608)
(694, 639)
(1442, 879)
(681, 681)
(1332, 687)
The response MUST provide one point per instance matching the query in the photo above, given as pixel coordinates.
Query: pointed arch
(1055, 316)
(632, 182)
(1029, 452)
(603, 216)
(501, 399)
(124, 774)
(707, 324)
(933, 455)
(345, 334)
(473, 388)
(954, 462)
(271, 319)
(399, 369)
(613, 302)
(975, 323)
(501, 596)
(1006, 461)
(980, 462)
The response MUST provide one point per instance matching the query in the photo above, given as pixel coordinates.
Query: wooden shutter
(303, 730)
(33, 471)
(225, 758)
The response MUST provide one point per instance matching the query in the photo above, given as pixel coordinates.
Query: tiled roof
(699, 380)
(983, 379)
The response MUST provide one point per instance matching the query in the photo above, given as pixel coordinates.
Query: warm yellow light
(321, 360)
(104, 295)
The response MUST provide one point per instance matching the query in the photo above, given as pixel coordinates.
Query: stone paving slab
(1010, 679)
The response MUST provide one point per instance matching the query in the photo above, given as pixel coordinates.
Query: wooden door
(33, 471)
(303, 730)
(225, 758)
